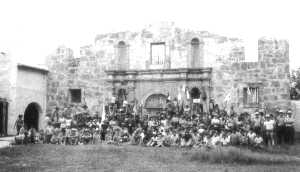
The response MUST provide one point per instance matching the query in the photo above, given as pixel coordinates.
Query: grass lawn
(135, 158)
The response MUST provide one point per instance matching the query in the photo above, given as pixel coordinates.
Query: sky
(32, 29)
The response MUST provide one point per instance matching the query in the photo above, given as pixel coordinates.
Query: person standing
(280, 132)
(269, 125)
(55, 115)
(257, 123)
(19, 123)
(289, 126)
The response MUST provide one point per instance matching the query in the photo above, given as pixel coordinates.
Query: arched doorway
(155, 103)
(31, 116)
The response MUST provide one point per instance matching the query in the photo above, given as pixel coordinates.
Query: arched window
(195, 52)
(122, 56)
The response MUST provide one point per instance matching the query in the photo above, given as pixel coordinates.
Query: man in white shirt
(269, 125)
(289, 127)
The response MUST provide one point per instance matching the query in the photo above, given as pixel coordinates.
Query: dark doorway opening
(3, 118)
(31, 116)
(195, 93)
(122, 96)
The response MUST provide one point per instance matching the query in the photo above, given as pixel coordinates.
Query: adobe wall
(8, 78)
(19, 87)
(31, 88)
(270, 74)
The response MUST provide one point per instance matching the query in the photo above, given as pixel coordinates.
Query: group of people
(167, 127)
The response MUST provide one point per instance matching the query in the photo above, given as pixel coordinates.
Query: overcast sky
(32, 29)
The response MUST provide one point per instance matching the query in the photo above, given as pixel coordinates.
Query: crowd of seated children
(169, 127)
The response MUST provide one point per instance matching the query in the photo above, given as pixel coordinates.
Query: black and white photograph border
(149, 85)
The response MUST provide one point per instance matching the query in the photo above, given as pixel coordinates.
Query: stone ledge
(159, 71)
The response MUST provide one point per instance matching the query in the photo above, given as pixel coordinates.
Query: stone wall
(270, 74)
(85, 73)
(88, 71)
(214, 49)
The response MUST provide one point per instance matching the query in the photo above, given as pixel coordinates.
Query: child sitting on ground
(41, 136)
(86, 136)
(55, 136)
(19, 139)
(73, 137)
(32, 135)
(125, 137)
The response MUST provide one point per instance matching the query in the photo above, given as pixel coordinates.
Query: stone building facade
(22, 91)
(165, 60)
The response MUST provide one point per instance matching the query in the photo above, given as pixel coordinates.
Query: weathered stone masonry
(136, 60)
(270, 74)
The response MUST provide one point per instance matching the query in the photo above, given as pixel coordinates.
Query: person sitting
(125, 136)
(186, 139)
(60, 136)
(159, 140)
(19, 139)
(86, 136)
(167, 140)
(74, 137)
(234, 138)
(174, 138)
(55, 138)
(96, 136)
(137, 136)
(258, 140)
(41, 136)
(215, 139)
(109, 135)
(215, 122)
(251, 137)
(32, 135)
(225, 139)
(67, 135)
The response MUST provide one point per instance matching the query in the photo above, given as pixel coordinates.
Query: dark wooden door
(3, 118)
